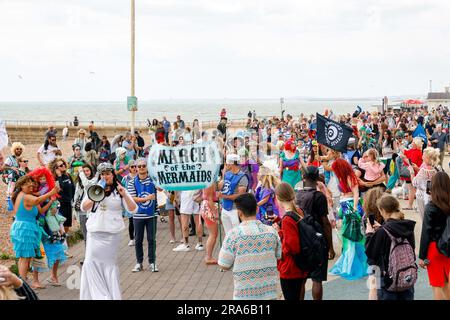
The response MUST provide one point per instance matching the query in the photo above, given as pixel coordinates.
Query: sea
(203, 110)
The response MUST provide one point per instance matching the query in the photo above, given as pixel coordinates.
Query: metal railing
(103, 124)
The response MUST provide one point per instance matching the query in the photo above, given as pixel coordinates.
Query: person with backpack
(435, 233)
(352, 264)
(234, 183)
(314, 205)
(390, 252)
(292, 277)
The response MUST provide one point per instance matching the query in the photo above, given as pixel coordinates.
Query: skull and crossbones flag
(333, 134)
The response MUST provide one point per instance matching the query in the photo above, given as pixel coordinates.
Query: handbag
(402, 169)
(444, 241)
(198, 197)
(352, 229)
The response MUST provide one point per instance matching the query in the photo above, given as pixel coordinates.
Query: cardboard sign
(189, 167)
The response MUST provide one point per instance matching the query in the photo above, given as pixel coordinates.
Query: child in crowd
(55, 223)
(373, 168)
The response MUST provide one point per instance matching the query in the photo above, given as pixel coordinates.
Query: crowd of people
(287, 204)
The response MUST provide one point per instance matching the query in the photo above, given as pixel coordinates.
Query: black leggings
(293, 289)
(131, 228)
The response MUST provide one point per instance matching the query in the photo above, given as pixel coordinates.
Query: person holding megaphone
(104, 202)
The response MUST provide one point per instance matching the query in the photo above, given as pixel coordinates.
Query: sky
(79, 50)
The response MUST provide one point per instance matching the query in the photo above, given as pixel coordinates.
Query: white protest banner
(189, 167)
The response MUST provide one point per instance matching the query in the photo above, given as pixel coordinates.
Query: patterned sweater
(252, 249)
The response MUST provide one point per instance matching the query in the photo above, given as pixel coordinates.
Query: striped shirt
(144, 207)
(253, 249)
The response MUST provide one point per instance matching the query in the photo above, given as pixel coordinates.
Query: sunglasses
(131, 167)
(62, 165)
(142, 166)
(24, 161)
(19, 149)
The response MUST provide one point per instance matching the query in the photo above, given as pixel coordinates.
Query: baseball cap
(351, 140)
(232, 158)
(311, 173)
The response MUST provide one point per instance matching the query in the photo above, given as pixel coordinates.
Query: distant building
(435, 99)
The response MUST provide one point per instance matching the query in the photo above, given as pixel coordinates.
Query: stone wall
(33, 134)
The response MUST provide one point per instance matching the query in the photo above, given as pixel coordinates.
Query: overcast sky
(222, 48)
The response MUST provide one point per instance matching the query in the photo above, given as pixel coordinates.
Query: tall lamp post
(132, 101)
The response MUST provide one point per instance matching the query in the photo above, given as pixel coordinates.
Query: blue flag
(420, 132)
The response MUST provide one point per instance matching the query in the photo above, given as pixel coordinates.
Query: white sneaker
(153, 267)
(182, 248)
(131, 243)
(199, 247)
(137, 268)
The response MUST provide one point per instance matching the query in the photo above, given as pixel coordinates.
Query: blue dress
(55, 252)
(25, 234)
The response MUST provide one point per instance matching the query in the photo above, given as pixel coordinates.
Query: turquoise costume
(54, 251)
(25, 233)
(291, 169)
(352, 264)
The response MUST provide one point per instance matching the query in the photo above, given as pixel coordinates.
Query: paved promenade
(184, 276)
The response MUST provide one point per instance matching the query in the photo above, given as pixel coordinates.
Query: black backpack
(444, 241)
(313, 246)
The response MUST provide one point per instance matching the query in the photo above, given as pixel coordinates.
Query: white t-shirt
(48, 155)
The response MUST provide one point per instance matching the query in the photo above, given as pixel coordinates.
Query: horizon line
(306, 98)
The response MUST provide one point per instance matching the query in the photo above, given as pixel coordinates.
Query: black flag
(333, 134)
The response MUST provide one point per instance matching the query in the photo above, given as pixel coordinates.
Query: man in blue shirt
(234, 183)
(143, 191)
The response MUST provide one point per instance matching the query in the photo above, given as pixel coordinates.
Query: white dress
(100, 272)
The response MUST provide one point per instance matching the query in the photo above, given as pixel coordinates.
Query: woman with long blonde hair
(426, 172)
(265, 196)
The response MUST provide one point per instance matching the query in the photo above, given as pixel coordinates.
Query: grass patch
(6, 256)
(74, 237)
(15, 268)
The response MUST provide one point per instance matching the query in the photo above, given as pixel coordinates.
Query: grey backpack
(402, 268)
